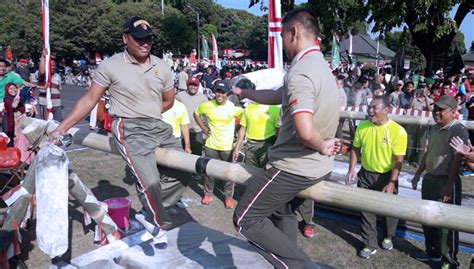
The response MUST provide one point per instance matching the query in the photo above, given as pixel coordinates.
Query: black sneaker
(425, 256)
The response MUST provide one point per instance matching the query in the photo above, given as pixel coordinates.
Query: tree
(431, 30)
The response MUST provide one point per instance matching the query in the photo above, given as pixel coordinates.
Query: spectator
(404, 100)
(55, 88)
(183, 79)
(382, 144)
(395, 95)
(442, 181)
(462, 109)
(177, 117)
(22, 70)
(191, 98)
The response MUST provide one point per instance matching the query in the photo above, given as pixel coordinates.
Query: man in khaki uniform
(140, 88)
(442, 182)
(302, 154)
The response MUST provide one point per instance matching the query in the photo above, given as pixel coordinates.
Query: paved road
(69, 96)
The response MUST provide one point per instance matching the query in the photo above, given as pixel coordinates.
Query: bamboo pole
(402, 119)
(422, 211)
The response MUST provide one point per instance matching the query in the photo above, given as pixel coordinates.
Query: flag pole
(45, 18)
(275, 43)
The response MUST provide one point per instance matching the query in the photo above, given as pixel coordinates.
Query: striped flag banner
(275, 43)
(45, 17)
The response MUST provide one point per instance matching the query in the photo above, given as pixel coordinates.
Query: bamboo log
(422, 211)
(402, 119)
(89, 202)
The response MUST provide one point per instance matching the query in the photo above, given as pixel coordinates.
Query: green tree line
(79, 27)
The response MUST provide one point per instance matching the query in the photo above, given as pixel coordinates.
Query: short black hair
(3, 61)
(306, 18)
(384, 98)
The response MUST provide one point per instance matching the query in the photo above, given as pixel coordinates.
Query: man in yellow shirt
(220, 115)
(259, 125)
(178, 118)
(383, 144)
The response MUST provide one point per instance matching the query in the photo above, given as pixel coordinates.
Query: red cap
(228, 75)
(193, 81)
(23, 60)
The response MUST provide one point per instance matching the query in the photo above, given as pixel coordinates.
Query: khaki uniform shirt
(440, 155)
(182, 80)
(310, 87)
(135, 92)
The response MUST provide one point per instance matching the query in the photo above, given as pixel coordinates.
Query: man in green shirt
(382, 143)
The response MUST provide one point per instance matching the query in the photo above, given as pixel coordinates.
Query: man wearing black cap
(220, 115)
(140, 87)
(442, 181)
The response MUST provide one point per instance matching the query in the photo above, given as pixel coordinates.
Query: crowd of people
(292, 133)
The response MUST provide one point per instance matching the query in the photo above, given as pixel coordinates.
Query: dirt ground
(335, 243)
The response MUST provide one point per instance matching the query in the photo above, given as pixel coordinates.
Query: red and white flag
(275, 43)
(215, 53)
(45, 17)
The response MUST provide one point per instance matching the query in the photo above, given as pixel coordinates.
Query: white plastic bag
(52, 200)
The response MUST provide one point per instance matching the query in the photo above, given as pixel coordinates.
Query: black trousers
(439, 241)
(376, 182)
(265, 217)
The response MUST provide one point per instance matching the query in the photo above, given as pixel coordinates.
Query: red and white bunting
(275, 43)
(45, 17)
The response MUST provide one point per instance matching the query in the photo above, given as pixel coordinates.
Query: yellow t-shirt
(379, 144)
(260, 120)
(176, 116)
(221, 120)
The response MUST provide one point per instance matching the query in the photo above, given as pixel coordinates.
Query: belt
(53, 95)
(261, 140)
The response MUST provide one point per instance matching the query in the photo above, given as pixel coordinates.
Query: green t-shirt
(379, 144)
(221, 120)
(260, 121)
(9, 77)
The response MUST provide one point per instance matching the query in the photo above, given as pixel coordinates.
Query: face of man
(220, 96)
(192, 89)
(410, 88)
(377, 111)
(138, 48)
(443, 116)
(399, 87)
(3, 68)
(23, 64)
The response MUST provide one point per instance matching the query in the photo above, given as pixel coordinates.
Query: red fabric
(10, 158)
(108, 122)
(10, 112)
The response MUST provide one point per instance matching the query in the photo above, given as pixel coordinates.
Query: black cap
(137, 27)
(222, 85)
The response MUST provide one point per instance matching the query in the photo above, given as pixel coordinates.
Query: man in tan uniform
(140, 88)
(301, 156)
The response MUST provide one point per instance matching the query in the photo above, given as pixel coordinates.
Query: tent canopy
(468, 58)
(364, 46)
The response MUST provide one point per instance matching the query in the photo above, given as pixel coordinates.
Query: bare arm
(199, 122)
(397, 166)
(168, 100)
(238, 143)
(354, 156)
(81, 109)
(187, 141)
(266, 97)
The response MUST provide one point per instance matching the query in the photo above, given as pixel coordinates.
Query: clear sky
(467, 26)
